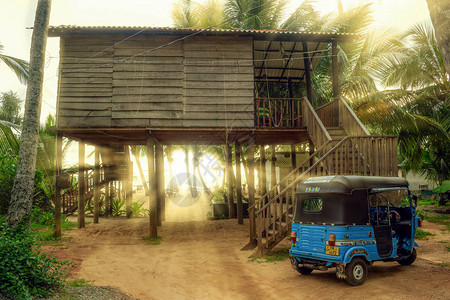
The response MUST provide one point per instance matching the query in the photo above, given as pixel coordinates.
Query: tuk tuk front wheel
(409, 260)
(356, 272)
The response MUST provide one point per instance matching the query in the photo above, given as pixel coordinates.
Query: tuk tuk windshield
(396, 197)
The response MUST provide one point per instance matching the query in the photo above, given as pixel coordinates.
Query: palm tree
(415, 104)
(17, 65)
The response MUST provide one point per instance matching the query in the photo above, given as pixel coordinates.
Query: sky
(17, 15)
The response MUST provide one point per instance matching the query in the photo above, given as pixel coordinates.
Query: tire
(304, 271)
(356, 272)
(409, 260)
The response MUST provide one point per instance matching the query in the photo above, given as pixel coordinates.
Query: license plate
(331, 250)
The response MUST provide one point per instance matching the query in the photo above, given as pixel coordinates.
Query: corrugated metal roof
(63, 29)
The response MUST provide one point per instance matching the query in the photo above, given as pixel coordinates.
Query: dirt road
(202, 260)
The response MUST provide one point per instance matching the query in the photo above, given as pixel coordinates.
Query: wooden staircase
(337, 152)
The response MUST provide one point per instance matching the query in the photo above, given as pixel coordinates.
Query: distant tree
(19, 66)
(10, 107)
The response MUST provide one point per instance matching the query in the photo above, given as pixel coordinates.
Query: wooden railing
(353, 155)
(329, 114)
(278, 112)
(316, 130)
(349, 120)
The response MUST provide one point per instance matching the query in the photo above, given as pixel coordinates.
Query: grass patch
(443, 219)
(80, 282)
(152, 241)
(278, 255)
(422, 234)
(443, 264)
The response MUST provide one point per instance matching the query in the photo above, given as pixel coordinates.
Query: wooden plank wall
(147, 89)
(218, 88)
(195, 83)
(85, 84)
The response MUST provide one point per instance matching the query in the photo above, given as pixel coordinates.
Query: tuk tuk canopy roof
(346, 184)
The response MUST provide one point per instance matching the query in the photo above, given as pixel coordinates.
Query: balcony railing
(278, 112)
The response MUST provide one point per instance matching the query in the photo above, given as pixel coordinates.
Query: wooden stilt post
(263, 172)
(231, 210)
(240, 208)
(159, 170)
(96, 184)
(58, 188)
(293, 157)
(251, 189)
(81, 184)
(107, 197)
(273, 173)
(152, 187)
(128, 181)
(112, 194)
(307, 63)
(311, 152)
(335, 79)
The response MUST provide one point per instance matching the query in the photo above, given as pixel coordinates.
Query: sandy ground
(203, 260)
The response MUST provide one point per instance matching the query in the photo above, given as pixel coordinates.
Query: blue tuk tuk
(348, 222)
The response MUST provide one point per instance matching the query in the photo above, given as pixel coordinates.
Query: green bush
(25, 271)
(117, 207)
(8, 166)
(138, 211)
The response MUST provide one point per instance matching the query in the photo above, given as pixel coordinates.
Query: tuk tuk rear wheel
(304, 271)
(409, 260)
(356, 272)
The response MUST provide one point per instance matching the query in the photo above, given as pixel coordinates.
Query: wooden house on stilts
(165, 86)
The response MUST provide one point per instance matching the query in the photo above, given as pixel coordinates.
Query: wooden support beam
(107, 198)
(112, 193)
(81, 184)
(128, 181)
(96, 184)
(58, 188)
(335, 79)
(307, 63)
(335, 69)
(293, 157)
(152, 187)
(159, 170)
(263, 170)
(231, 209)
(311, 152)
(251, 189)
(273, 174)
(240, 208)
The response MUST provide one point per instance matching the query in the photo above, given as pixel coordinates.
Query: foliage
(152, 240)
(277, 255)
(8, 166)
(219, 195)
(415, 103)
(422, 234)
(80, 282)
(117, 207)
(18, 66)
(10, 107)
(25, 271)
(138, 211)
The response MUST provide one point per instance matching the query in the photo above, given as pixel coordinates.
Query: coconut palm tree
(415, 104)
(17, 65)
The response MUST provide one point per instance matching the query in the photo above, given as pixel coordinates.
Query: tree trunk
(21, 198)
(440, 17)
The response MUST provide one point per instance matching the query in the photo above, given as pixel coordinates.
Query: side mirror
(415, 200)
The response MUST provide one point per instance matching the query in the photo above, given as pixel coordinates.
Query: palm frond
(19, 66)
